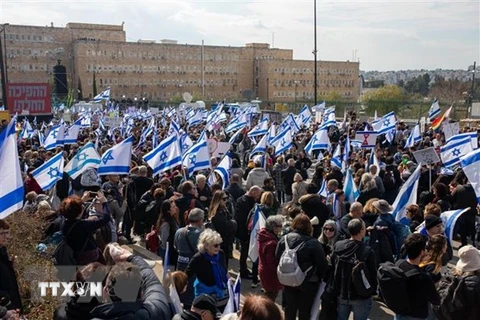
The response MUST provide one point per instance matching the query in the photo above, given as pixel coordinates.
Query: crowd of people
(319, 255)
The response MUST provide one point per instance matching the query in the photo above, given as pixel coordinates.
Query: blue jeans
(360, 308)
(400, 317)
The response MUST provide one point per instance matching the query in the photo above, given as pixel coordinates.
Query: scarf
(219, 272)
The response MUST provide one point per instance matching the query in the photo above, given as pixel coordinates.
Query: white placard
(222, 148)
(426, 156)
(368, 138)
(451, 129)
(112, 122)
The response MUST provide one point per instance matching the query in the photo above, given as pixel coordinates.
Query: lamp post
(315, 51)
(3, 65)
(296, 85)
(268, 85)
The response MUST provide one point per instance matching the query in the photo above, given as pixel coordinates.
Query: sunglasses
(225, 198)
(329, 229)
(216, 245)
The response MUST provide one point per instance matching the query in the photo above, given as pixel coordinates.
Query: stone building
(162, 70)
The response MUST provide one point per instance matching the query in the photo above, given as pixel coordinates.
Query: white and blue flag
(454, 150)
(261, 146)
(471, 166)
(104, 95)
(258, 223)
(434, 111)
(414, 137)
(337, 157)
(11, 186)
(323, 189)
(223, 169)
(407, 195)
(449, 219)
(304, 118)
(54, 137)
(86, 157)
(372, 160)
(196, 157)
(472, 135)
(116, 160)
(319, 140)
(319, 107)
(49, 172)
(166, 156)
(237, 124)
(385, 124)
(350, 188)
(71, 134)
(260, 129)
(282, 142)
(174, 129)
(234, 137)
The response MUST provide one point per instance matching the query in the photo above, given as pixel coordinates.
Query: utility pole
(473, 79)
(4, 82)
(315, 51)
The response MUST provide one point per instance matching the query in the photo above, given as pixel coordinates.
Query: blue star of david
(456, 152)
(283, 142)
(81, 156)
(386, 123)
(107, 157)
(53, 172)
(315, 139)
(54, 133)
(163, 156)
(193, 158)
(185, 146)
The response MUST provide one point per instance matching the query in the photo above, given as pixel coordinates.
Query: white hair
(200, 177)
(208, 237)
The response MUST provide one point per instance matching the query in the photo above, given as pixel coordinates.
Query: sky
(382, 35)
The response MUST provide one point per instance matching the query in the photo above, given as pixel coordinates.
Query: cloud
(388, 35)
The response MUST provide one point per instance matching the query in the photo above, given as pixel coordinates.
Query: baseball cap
(206, 302)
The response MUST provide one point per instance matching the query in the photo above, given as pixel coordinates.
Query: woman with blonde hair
(218, 215)
(209, 267)
(299, 187)
(368, 189)
(432, 261)
(370, 213)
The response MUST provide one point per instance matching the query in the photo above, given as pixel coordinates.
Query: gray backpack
(288, 271)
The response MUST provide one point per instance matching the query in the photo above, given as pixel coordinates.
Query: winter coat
(256, 177)
(8, 281)
(288, 175)
(235, 190)
(267, 266)
(244, 205)
(472, 295)
(314, 207)
(366, 195)
(153, 304)
(310, 255)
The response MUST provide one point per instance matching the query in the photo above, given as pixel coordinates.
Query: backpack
(288, 271)
(389, 180)
(356, 267)
(452, 300)
(392, 281)
(397, 233)
(379, 241)
(64, 255)
(151, 240)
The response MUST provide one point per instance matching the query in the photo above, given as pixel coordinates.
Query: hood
(346, 248)
(264, 235)
(257, 172)
(115, 310)
(387, 218)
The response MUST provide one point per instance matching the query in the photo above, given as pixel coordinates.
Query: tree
(384, 99)
(418, 84)
(449, 91)
(333, 98)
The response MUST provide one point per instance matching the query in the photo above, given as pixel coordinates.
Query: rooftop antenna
(273, 39)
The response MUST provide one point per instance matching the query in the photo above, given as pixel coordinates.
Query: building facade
(163, 70)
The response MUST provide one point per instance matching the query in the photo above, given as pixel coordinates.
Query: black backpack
(64, 255)
(379, 241)
(452, 299)
(355, 266)
(389, 180)
(392, 281)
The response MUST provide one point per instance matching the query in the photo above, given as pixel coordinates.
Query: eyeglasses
(329, 229)
(216, 245)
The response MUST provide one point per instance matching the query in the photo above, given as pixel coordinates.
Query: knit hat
(469, 259)
(383, 206)
(206, 302)
(432, 221)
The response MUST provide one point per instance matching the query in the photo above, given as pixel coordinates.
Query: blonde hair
(207, 238)
(267, 199)
(297, 177)
(216, 203)
(369, 207)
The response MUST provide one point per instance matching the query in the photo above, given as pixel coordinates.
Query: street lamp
(3, 65)
(296, 85)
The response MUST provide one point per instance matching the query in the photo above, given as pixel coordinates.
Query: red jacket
(32, 185)
(267, 266)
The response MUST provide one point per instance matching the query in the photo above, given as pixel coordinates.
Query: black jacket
(235, 190)
(343, 280)
(202, 268)
(153, 304)
(337, 175)
(183, 205)
(8, 281)
(367, 195)
(472, 295)
(287, 176)
(74, 310)
(311, 254)
(314, 207)
(244, 205)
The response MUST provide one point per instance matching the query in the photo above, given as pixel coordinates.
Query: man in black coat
(188, 201)
(235, 189)
(287, 176)
(8, 279)
(244, 205)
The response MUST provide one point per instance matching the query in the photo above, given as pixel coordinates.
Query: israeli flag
(472, 135)
(11, 186)
(283, 142)
(346, 151)
(434, 111)
(329, 120)
(54, 137)
(27, 130)
(223, 169)
(406, 195)
(197, 157)
(174, 129)
(71, 134)
(356, 144)
(323, 189)
(449, 219)
(116, 160)
(304, 117)
(373, 160)
(86, 121)
(261, 146)
(414, 137)
(237, 124)
(259, 129)
(50, 172)
(471, 166)
(318, 141)
(86, 157)
(186, 142)
(350, 189)
(104, 95)
(272, 132)
(233, 304)
(197, 118)
(258, 224)
(454, 150)
(337, 157)
(290, 121)
(234, 137)
(164, 157)
(386, 123)
(319, 107)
